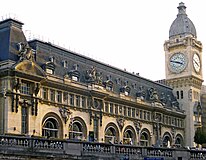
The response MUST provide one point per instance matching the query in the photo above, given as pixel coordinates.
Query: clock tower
(183, 67)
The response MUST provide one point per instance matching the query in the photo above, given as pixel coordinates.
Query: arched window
(110, 135)
(166, 141)
(128, 137)
(144, 139)
(50, 128)
(178, 141)
(76, 131)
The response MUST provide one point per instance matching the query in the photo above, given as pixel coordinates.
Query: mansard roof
(119, 79)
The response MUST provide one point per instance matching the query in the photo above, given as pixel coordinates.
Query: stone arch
(145, 137)
(52, 126)
(179, 141)
(129, 135)
(111, 133)
(77, 129)
(167, 140)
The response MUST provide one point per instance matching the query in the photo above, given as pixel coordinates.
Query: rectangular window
(133, 112)
(52, 95)
(45, 93)
(77, 100)
(116, 109)
(83, 102)
(140, 114)
(65, 97)
(71, 99)
(145, 115)
(59, 96)
(125, 111)
(178, 96)
(181, 94)
(25, 88)
(148, 116)
(169, 121)
(111, 108)
(129, 112)
(106, 107)
(24, 120)
(120, 109)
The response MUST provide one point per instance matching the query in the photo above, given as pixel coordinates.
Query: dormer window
(65, 64)
(49, 67)
(51, 59)
(74, 74)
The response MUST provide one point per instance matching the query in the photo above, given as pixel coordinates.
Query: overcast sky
(127, 34)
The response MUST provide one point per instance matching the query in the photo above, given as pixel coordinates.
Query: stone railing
(64, 149)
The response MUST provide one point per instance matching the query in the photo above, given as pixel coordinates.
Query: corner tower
(183, 68)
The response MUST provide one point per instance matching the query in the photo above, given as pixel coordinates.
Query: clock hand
(176, 62)
(196, 63)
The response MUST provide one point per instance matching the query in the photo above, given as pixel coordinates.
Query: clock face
(196, 62)
(178, 62)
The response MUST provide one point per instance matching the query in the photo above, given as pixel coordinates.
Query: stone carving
(138, 125)
(163, 98)
(153, 96)
(25, 52)
(141, 93)
(65, 113)
(16, 84)
(36, 88)
(93, 76)
(120, 122)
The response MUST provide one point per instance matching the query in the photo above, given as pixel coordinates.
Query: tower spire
(181, 9)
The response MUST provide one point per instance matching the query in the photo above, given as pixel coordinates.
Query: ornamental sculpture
(141, 93)
(65, 112)
(120, 122)
(93, 76)
(25, 52)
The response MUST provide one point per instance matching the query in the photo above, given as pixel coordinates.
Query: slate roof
(182, 25)
(118, 77)
(11, 34)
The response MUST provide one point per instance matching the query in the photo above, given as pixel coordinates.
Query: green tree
(200, 136)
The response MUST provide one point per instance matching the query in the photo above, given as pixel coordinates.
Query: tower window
(181, 94)
(178, 96)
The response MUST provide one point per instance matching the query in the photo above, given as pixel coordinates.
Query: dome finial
(181, 8)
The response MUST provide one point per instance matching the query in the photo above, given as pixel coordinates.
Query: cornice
(189, 81)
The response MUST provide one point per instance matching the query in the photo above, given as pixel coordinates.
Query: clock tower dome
(183, 68)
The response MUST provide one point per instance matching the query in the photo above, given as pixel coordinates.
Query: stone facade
(48, 91)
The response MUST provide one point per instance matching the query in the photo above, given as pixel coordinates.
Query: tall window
(116, 109)
(144, 139)
(111, 108)
(181, 94)
(71, 99)
(129, 112)
(52, 95)
(83, 102)
(45, 93)
(77, 100)
(24, 120)
(178, 96)
(25, 88)
(59, 97)
(106, 107)
(76, 131)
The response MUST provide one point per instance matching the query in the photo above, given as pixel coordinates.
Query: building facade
(183, 59)
(48, 91)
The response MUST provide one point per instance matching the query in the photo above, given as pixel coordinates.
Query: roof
(182, 25)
